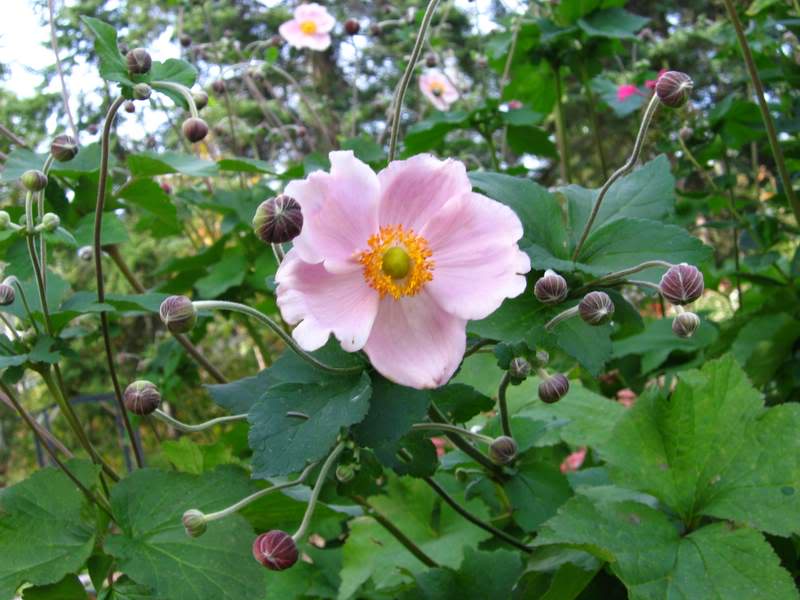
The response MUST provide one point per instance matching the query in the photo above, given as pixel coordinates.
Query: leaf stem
(637, 150)
(397, 103)
(312, 502)
(502, 404)
(612, 277)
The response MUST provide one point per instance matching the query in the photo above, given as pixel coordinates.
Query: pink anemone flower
(574, 461)
(437, 88)
(396, 263)
(310, 27)
(625, 91)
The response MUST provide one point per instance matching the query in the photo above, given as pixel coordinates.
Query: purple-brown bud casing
(553, 388)
(673, 88)
(139, 61)
(551, 288)
(275, 549)
(503, 450)
(194, 129)
(178, 314)
(64, 148)
(596, 308)
(682, 284)
(685, 324)
(278, 220)
(142, 397)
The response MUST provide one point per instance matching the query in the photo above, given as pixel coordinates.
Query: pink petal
(416, 343)
(477, 262)
(316, 13)
(414, 190)
(340, 212)
(626, 91)
(342, 304)
(290, 31)
(318, 41)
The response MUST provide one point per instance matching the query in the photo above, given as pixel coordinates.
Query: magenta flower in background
(310, 27)
(650, 84)
(574, 461)
(514, 105)
(625, 91)
(437, 88)
(396, 263)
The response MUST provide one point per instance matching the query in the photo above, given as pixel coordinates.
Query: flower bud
(685, 133)
(553, 388)
(682, 284)
(503, 450)
(430, 60)
(673, 88)
(50, 222)
(276, 41)
(542, 357)
(218, 86)
(376, 29)
(34, 180)
(685, 324)
(518, 370)
(194, 522)
(178, 314)
(142, 397)
(7, 294)
(278, 220)
(142, 91)
(85, 253)
(345, 473)
(185, 40)
(139, 61)
(195, 129)
(596, 308)
(275, 549)
(166, 187)
(551, 288)
(63, 147)
(200, 99)
(129, 107)
(5, 220)
(352, 27)
(92, 128)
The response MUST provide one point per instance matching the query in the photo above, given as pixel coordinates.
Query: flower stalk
(502, 404)
(312, 503)
(447, 427)
(186, 428)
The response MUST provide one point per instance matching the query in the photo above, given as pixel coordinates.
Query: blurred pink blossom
(440, 444)
(574, 461)
(437, 88)
(626, 397)
(625, 91)
(514, 104)
(650, 84)
(310, 27)
(396, 263)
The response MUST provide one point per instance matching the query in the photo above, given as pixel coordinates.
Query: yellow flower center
(308, 27)
(437, 88)
(397, 262)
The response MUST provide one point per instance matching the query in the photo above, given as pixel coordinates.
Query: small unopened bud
(278, 220)
(92, 128)
(685, 133)
(430, 60)
(345, 473)
(673, 88)
(195, 129)
(376, 30)
(685, 324)
(200, 99)
(503, 450)
(542, 358)
(518, 370)
(85, 253)
(34, 180)
(178, 314)
(550, 288)
(682, 284)
(130, 107)
(139, 61)
(194, 522)
(553, 388)
(352, 27)
(5, 220)
(276, 41)
(596, 308)
(7, 294)
(166, 187)
(142, 91)
(142, 397)
(185, 40)
(275, 549)
(50, 222)
(218, 86)
(63, 147)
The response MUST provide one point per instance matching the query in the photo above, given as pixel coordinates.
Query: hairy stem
(186, 428)
(312, 502)
(562, 316)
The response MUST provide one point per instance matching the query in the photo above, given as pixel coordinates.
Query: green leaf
(536, 491)
(481, 575)
(227, 273)
(284, 442)
(184, 455)
(432, 131)
(69, 588)
(112, 64)
(154, 550)
(657, 342)
(712, 449)
(239, 396)
(370, 552)
(47, 529)
(654, 561)
(763, 343)
(176, 71)
(148, 164)
(607, 91)
(160, 215)
(245, 165)
(113, 232)
(19, 161)
(365, 149)
(461, 402)
(126, 589)
(612, 23)
(759, 5)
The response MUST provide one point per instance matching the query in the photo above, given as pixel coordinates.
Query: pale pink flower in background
(514, 104)
(440, 444)
(396, 263)
(574, 461)
(625, 91)
(437, 88)
(310, 28)
(626, 397)
(650, 84)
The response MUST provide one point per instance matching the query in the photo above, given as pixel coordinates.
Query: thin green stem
(397, 103)
(772, 134)
(477, 346)
(624, 169)
(182, 90)
(105, 141)
(259, 316)
(186, 428)
(312, 502)
(10, 326)
(492, 150)
(562, 316)
(40, 206)
(593, 121)
(24, 297)
(446, 427)
(622, 274)
(644, 284)
(437, 416)
(561, 129)
(502, 404)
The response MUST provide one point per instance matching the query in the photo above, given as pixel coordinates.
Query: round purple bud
(553, 388)
(503, 450)
(275, 549)
(178, 314)
(518, 370)
(682, 284)
(139, 61)
(352, 27)
(64, 147)
(130, 107)
(278, 220)
(142, 397)
(551, 288)
(185, 40)
(673, 88)
(195, 129)
(596, 308)
(7, 294)
(218, 86)
(685, 324)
